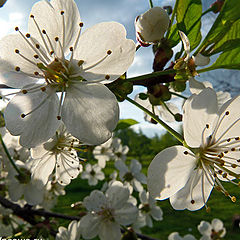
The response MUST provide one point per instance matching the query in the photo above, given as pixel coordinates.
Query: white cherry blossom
(107, 212)
(38, 63)
(187, 175)
(59, 154)
(131, 175)
(103, 152)
(213, 230)
(23, 186)
(71, 233)
(149, 209)
(93, 173)
(176, 236)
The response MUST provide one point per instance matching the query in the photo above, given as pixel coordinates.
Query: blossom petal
(169, 171)
(11, 77)
(126, 215)
(227, 124)
(95, 116)
(43, 167)
(117, 195)
(52, 22)
(195, 86)
(95, 202)
(93, 46)
(156, 213)
(89, 226)
(195, 193)
(9, 45)
(199, 111)
(74, 230)
(38, 126)
(109, 230)
(67, 168)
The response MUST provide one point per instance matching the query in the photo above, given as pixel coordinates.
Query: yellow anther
(80, 62)
(233, 198)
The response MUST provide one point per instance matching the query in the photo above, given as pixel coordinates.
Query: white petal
(52, 22)
(205, 228)
(135, 166)
(43, 167)
(12, 78)
(109, 230)
(198, 188)
(199, 110)
(165, 114)
(156, 213)
(143, 196)
(122, 167)
(137, 185)
(95, 116)
(67, 168)
(13, 42)
(126, 215)
(95, 202)
(195, 86)
(169, 171)
(74, 230)
(201, 60)
(32, 194)
(92, 181)
(38, 126)
(89, 226)
(229, 117)
(217, 224)
(94, 44)
(117, 195)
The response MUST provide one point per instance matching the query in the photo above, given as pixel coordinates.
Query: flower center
(54, 72)
(107, 214)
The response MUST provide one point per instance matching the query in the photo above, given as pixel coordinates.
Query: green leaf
(225, 27)
(174, 38)
(189, 20)
(228, 60)
(125, 123)
(230, 41)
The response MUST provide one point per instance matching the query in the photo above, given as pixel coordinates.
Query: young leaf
(125, 123)
(224, 27)
(189, 20)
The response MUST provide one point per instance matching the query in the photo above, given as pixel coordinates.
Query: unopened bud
(178, 117)
(143, 96)
(151, 25)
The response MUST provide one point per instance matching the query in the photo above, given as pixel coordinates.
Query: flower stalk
(9, 156)
(158, 120)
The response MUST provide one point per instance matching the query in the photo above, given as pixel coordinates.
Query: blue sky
(15, 13)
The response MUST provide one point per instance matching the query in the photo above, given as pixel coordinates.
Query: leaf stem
(172, 18)
(157, 119)
(150, 75)
(9, 156)
(179, 95)
(150, 4)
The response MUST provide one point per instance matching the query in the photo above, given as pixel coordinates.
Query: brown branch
(27, 213)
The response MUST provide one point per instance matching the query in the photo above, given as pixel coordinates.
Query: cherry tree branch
(27, 213)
